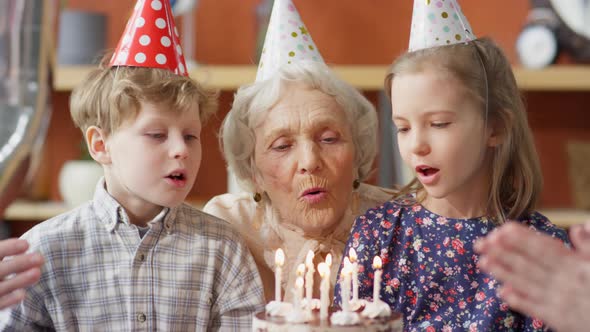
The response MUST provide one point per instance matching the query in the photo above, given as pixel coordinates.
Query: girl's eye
(440, 124)
(401, 130)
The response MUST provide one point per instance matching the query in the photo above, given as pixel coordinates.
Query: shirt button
(141, 257)
(167, 226)
(141, 317)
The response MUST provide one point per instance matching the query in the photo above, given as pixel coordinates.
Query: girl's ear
(496, 134)
(97, 146)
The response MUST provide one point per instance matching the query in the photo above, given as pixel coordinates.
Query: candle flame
(329, 260)
(377, 262)
(346, 266)
(300, 270)
(322, 269)
(299, 282)
(279, 257)
(309, 258)
(352, 254)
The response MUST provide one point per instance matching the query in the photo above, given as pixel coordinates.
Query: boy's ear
(97, 146)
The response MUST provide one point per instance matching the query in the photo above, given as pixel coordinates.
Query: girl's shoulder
(391, 209)
(540, 223)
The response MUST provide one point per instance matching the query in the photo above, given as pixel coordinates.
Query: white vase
(77, 181)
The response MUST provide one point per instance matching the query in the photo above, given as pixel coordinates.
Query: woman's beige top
(259, 225)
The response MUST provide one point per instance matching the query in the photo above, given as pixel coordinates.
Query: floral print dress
(430, 272)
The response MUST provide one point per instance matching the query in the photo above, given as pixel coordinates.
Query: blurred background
(359, 39)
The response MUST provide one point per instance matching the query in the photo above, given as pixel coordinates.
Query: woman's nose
(309, 158)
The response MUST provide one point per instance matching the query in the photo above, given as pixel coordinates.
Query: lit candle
(298, 293)
(300, 270)
(329, 260)
(377, 281)
(345, 285)
(279, 261)
(324, 272)
(355, 278)
(309, 277)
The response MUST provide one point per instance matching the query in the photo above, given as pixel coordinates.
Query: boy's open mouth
(177, 176)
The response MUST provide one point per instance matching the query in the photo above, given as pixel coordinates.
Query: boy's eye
(156, 135)
(191, 137)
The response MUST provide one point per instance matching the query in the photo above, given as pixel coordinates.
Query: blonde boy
(136, 257)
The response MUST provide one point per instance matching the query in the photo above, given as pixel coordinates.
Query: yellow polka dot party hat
(287, 40)
(438, 23)
(151, 39)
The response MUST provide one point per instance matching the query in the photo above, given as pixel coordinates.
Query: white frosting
(376, 309)
(315, 304)
(356, 305)
(345, 318)
(299, 316)
(276, 308)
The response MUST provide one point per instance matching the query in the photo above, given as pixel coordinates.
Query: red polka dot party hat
(287, 40)
(438, 23)
(151, 39)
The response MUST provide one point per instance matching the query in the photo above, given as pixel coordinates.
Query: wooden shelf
(555, 78)
(22, 210)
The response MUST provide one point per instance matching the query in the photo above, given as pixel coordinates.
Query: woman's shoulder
(234, 208)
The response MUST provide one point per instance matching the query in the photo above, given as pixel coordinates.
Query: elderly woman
(300, 144)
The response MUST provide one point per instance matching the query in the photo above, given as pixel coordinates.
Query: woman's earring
(355, 197)
(356, 184)
(257, 197)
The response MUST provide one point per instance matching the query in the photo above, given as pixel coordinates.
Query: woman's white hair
(237, 137)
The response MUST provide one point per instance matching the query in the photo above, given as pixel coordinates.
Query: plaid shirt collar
(110, 213)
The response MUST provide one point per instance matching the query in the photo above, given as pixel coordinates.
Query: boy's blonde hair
(110, 95)
(486, 75)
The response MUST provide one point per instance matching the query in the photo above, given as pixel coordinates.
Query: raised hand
(18, 271)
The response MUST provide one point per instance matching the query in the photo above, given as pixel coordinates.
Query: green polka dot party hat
(438, 23)
(287, 40)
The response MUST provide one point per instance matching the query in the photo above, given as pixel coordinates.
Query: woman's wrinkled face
(304, 155)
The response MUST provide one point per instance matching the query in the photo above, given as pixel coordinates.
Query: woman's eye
(440, 124)
(281, 147)
(331, 139)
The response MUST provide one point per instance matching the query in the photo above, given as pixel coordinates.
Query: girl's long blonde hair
(485, 72)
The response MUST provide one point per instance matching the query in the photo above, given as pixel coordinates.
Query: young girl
(462, 128)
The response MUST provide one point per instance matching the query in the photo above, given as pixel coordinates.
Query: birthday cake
(263, 322)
